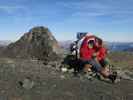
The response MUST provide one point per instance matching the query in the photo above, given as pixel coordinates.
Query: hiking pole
(76, 55)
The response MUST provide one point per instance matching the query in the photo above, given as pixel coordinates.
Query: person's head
(99, 42)
(91, 44)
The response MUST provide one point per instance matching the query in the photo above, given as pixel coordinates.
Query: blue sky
(111, 20)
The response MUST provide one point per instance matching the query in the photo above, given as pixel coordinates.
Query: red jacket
(102, 52)
(86, 53)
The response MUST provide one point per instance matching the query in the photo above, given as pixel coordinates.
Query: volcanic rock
(37, 43)
(27, 83)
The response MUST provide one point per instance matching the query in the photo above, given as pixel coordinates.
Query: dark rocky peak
(37, 43)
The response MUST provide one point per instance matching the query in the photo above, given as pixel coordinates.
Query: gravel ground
(31, 80)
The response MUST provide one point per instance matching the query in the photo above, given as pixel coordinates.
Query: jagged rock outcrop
(37, 43)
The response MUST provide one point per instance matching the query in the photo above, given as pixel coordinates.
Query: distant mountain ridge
(120, 46)
(5, 42)
(112, 46)
(65, 44)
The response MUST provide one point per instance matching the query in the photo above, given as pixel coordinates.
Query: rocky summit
(32, 79)
(37, 43)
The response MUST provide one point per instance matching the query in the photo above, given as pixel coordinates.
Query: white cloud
(97, 8)
(11, 9)
(87, 14)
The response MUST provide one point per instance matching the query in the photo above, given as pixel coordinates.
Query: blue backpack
(80, 35)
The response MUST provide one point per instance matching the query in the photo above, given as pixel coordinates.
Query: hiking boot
(115, 73)
(113, 77)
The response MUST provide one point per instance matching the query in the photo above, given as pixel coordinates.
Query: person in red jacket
(101, 53)
(87, 48)
(88, 55)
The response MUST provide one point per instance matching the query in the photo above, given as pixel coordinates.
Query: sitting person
(87, 53)
(101, 53)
